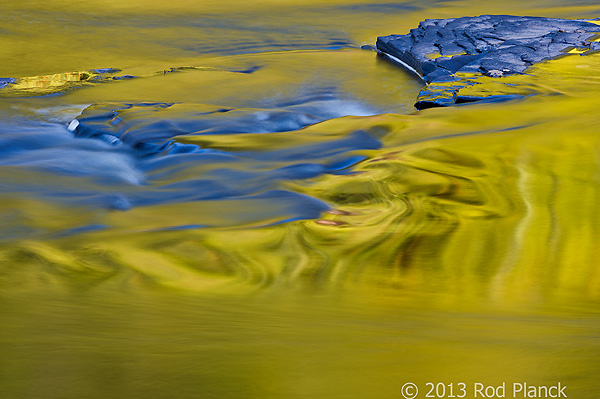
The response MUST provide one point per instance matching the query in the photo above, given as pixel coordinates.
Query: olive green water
(463, 250)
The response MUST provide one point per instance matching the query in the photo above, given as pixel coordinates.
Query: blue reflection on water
(119, 156)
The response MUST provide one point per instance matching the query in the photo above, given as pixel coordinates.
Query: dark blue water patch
(248, 71)
(253, 47)
(150, 134)
(299, 205)
(172, 162)
(216, 186)
(149, 126)
(17, 138)
(301, 171)
(6, 81)
(190, 178)
(463, 100)
(341, 165)
(173, 147)
(186, 172)
(184, 227)
(145, 167)
(81, 229)
(119, 157)
(123, 77)
(336, 165)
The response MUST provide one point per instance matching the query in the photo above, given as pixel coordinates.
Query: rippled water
(234, 200)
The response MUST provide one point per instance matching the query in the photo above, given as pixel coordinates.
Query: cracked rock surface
(487, 45)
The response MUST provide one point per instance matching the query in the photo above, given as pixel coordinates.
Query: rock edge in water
(449, 53)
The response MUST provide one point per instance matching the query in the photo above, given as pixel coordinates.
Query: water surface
(248, 205)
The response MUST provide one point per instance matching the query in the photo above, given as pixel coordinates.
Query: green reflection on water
(463, 250)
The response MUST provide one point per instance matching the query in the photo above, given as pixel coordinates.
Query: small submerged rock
(450, 54)
(32, 86)
(6, 81)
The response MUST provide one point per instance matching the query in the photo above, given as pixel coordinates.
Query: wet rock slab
(449, 54)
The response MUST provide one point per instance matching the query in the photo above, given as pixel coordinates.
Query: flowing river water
(249, 206)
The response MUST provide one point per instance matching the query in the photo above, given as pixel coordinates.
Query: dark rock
(368, 47)
(106, 70)
(487, 45)
(123, 77)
